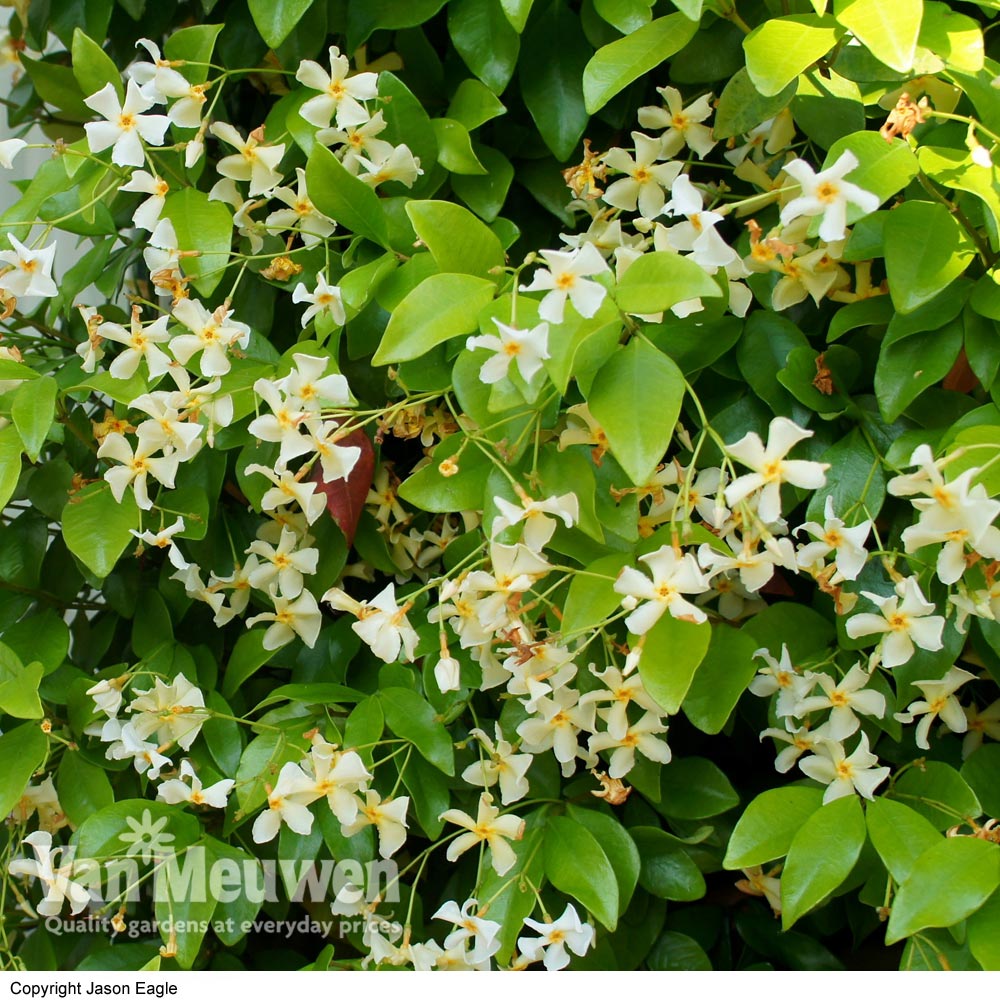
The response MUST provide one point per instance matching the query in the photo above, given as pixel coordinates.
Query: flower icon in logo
(147, 838)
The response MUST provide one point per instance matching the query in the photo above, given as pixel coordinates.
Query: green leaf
(276, 19)
(486, 194)
(194, 45)
(769, 824)
(455, 147)
(947, 883)
(591, 596)
(677, 952)
(517, 11)
(984, 934)
(858, 489)
(96, 528)
(667, 872)
(828, 108)
(951, 36)
(485, 39)
(19, 686)
(659, 280)
(457, 240)
(431, 491)
(260, 764)
(907, 367)
(205, 226)
(22, 750)
(344, 198)
(364, 727)
(613, 67)
(83, 788)
(722, 676)
(926, 249)
(473, 104)
(10, 462)
(637, 374)
(625, 15)
(93, 67)
(821, 856)
(182, 907)
(442, 306)
(671, 654)
(33, 409)
(412, 718)
(56, 85)
(247, 657)
(982, 772)
(742, 106)
(694, 788)
(889, 32)
(617, 844)
(409, 123)
(899, 834)
(782, 47)
(576, 864)
(550, 78)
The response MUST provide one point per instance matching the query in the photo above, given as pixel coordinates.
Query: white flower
(212, 334)
(164, 539)
(125, 126)
(695, 236)
(447, 674)
(288, 803)
(799, 741)
(301, 214)
(781, 677)
(147, 215)
(643, 187)
(939, 701)
(326, 298)
(176, 790)
(31, 272)
(566, 278)
(902, 625)
(538, 525)
(526, 348)
(359, 139)
(301, 617)
(281, 425)
(557, 722)
(400, 165)
(175, 712)
(140, 343)
(388, 816)
(673, 575)
(136, 467)
(310, 388)
(827, 194)
(287, 489)
(835, 536)
(382, 623)
(284, 565)
(682, 124)
(845, 775)
(340, 94)
(57, 881)
(485, 934)
(501, 765)
(9, 148)
(771, 469)
(107, 694)
(488, 826)
(339, 775)
(844, 698)
(254, 161)
(556, 936)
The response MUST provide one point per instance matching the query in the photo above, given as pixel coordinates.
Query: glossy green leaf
(550, 78)
(33, 409)
(486, 194)
(10, 462)
(821, 856)
(889, 32)
(722, 676)
(455, 147)
(671, 654)
(614, 66)
(22, 749)
(276, 19)
(517, 11)
(742, 106)
(899, 834)
(618, 845)
(908, 367)
(205, 226)
(93, 67)
(638, 372)
(782, 47)
(659, 280)
(926, 249)
(96, 528)
(19, 686)
(576, 864)
(458, 241)
(946, 884)
(195, 45)
(485, 39)
(83, 788)
(984, 934)
(344, 198)
(409, 716)
(666, 872)
(694, 788)
(769, 824)
(439, 308)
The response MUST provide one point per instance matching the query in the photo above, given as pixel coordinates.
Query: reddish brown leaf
(961, 377)
(345, 498)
